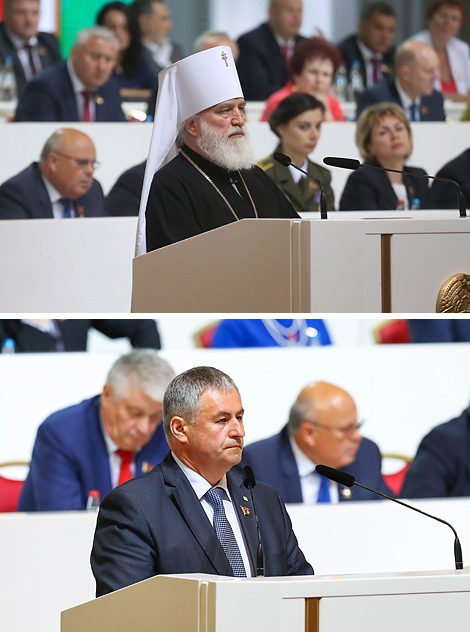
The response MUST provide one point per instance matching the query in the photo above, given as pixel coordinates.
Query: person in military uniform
(297, 122)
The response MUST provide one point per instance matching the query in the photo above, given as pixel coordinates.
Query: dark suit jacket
(350, 52)
(441, 467)
(25, 197)
(261, 65)
(370, 190)
(176, 55)
(439, 329)
(273, 462)
(49, 53)
(164, 529)
(142, 333)
(432, 106)
(50, 97)
(124, 197)
(70, 459)
(446, 194)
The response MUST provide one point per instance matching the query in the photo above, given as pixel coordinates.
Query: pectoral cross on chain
(224, 57)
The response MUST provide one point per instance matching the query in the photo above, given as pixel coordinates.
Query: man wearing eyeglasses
(60, 186)
(323, 429)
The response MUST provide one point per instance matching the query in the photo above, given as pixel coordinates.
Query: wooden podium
(341, 265)
(426, 601)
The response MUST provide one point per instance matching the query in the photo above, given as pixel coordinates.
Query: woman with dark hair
(444, 19)
(383, 137)
(134, 75)
(313, 67)
(297, 122)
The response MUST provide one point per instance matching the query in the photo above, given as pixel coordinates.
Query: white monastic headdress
(185, 88)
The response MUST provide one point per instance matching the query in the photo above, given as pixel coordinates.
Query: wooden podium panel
(345, 264)
(421, 602)
(247, 266)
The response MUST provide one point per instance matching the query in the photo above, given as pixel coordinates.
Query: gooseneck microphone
(249, 482)
(285, 161)
(353, 164)
(343, 478)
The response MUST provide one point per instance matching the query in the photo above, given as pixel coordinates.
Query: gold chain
(215, 187)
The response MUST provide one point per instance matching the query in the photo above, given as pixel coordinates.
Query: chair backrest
(396, 479)
(10, 489)
(392, 332)
(203, 337)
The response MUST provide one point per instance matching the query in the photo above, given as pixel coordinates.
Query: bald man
(323, 429)
(416, 67)
(60, 186)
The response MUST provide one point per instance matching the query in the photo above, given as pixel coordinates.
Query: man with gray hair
(191, 514)
(103, 441)
(79, 88)
(31, 51)
(416, 67)
(323, 429)
(60, 186)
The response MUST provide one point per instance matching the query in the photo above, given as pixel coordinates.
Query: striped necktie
(224, 531)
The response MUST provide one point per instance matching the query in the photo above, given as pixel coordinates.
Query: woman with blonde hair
(384, 139)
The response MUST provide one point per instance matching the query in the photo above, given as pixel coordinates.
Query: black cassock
(182, 203)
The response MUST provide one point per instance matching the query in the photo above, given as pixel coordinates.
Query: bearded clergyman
(213, 180)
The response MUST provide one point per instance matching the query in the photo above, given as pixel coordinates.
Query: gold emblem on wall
(454, 295)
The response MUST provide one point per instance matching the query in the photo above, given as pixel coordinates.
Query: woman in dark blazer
(384, 139)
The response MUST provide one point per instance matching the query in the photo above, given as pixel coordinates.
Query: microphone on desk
(343, 478)
(285, 161)
(353, 164)
(249, 482)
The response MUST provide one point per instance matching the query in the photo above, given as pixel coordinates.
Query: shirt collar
(405, 99)
(18, 42)
(78, 86)
(54, 195)
(304, 465)
(198, 482)
(366, 53)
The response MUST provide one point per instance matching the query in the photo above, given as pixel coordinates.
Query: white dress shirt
(309, 479)
(201, 486)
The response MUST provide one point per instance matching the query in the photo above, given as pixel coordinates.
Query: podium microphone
(285, 161)
(343, 478)
(353, 164)
(249, 482)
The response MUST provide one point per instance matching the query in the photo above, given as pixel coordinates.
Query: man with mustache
(190, 514)
(323, 429)
(213, 180)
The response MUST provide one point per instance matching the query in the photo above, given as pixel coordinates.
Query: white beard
(230, 154)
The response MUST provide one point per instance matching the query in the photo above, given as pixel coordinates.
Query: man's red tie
(126, 458)
(87, 95)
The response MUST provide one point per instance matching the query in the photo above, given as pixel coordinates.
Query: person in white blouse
(444, 20)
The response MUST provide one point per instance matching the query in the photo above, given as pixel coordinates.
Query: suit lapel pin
(146, 467)
(42, 51)
(99, 100)
(246, 511)
(424, 110)
(346, 493)
(245, 499)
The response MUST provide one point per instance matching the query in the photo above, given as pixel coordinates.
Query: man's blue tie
(413, 112)
(67, 208)
(324, 491)
(224, 531)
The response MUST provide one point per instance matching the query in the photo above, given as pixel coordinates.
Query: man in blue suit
(265, 52)
(78, 89)
(416, 65)
(95, 445)
(322, 430)
(61, 185)
(191, 514)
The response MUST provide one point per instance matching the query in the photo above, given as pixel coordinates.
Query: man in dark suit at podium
(191, 514)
